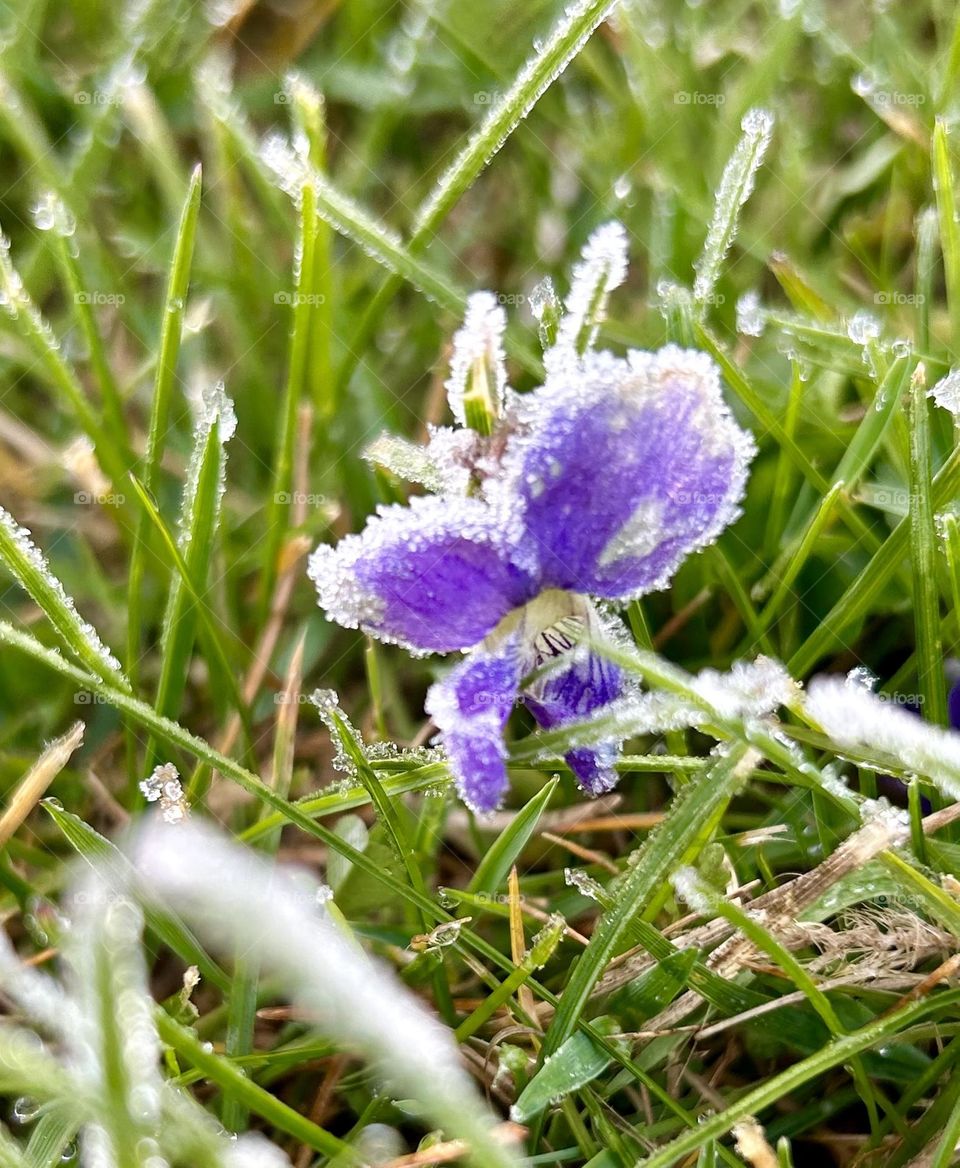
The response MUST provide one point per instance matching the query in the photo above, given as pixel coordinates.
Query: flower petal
(626, 467)
(471, 707)
(435, 576)
(583, 682)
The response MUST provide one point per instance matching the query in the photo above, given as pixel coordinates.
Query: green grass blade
(29, 567)
(946, 192)
(178, 282)
(926, 593)
(856, 601)
(736, 185)
(504, 852)
(665, 849)
(559, 48)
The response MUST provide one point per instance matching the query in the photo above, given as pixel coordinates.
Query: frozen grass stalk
(736, 186)
(237, 901)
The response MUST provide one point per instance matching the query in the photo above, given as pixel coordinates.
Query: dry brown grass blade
(37, 779)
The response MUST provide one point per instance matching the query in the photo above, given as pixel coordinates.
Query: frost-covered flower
(595, 486)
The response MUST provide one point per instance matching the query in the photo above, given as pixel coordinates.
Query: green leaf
(578, 1062)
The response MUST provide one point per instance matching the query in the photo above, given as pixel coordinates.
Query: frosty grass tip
(593, 487)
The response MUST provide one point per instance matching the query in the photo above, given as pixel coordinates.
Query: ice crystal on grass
(477, 383)
(50, 213)
(861, 721)
(946, 392)
(751, 316)
(601, 268)
(24, 560)
(594, 487)
(736, 185)
(163, 786)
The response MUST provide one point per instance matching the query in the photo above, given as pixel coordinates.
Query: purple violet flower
(593, 487)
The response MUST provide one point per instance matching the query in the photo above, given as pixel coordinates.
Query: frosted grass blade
(736, 185)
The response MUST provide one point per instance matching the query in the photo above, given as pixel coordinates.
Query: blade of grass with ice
(304, 309)
(199, 522)
(926, 591)
(178, 281)
(98, 851)
(239, 901)
(665, 849)
(736, 185)
(29, 567)
(558, 49)
(864, 590)
(39, 339)
(946, 191)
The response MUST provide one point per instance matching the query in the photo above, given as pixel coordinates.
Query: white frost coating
(863, 327)
(553, 55)
(252, 1150)
(751, 689)
(26, 558)
(478, 362)
(215, 411)
(601, 268)
(406, 460)
(736, 186)
(238, 902)
(860, 720)
(946, 393)
(751, 315)
(689, 887)
(35, 994)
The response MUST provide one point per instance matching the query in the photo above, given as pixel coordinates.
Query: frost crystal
(213, 411)
(736, 186)
(547, 310)
(50, 213)
(751, 689)
(477, 383)
(859, 720)
(601, 268)
(328, 707)
(585, 884)
(946, 393)
(751, 316)
(163, 786)
(863, 327)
